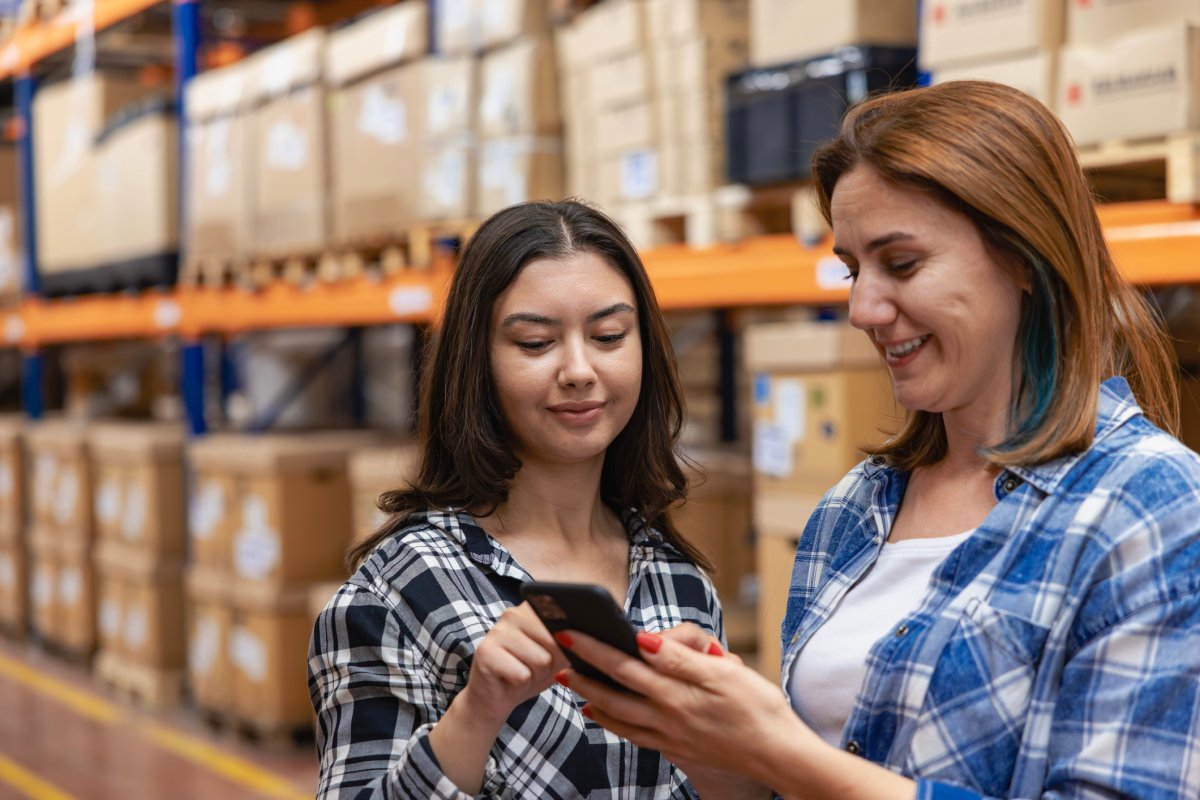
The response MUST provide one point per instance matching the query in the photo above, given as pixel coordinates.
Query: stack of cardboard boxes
(61, 537)
(12, 253)
(821, 397)
(269, 518)
(139, 501)
(14, 571)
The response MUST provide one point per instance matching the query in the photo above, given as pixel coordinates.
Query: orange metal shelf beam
(30, 45)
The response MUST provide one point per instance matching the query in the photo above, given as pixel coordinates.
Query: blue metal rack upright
(31, 369)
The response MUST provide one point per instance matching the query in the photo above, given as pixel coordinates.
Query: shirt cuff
(423, 775)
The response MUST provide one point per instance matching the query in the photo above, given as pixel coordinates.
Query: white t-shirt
(828, 673)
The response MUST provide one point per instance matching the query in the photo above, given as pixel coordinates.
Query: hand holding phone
(587, 608)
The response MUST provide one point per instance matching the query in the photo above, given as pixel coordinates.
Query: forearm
(805, 767)
(461, 743)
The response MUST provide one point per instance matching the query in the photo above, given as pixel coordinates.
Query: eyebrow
(875, 244)
(540, 319)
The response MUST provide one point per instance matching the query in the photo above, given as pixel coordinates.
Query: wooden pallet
(1165, 167)
(137, 684)
(743, 212)
(668, 220)
(266, 735)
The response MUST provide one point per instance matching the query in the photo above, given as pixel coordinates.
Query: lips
(578, 412)
(901, 352)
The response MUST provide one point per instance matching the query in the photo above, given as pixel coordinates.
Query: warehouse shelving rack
(1155, 243)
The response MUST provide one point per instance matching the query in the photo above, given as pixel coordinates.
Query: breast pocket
(977, 705)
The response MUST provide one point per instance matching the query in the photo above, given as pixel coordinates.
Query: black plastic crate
(777, 116)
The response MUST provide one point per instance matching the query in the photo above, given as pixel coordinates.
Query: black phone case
(586, 608)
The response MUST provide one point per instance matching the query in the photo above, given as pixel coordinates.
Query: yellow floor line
(27, 783)
(199, 752)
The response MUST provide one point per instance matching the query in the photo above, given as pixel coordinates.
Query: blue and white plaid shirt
(1056, 653)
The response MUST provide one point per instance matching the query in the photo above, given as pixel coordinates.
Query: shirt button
(1010, 484)
(903, 629)
(878, 460)
(853, 748)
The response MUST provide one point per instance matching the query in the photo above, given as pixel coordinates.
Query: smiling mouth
(899, 351)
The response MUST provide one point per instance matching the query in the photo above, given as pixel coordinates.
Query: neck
(555, 502)
(970, 431)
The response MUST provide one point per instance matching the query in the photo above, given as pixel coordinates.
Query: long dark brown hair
(1004, 160)
(467, 461)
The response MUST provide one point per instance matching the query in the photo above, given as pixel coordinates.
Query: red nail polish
(561, 679)
(714, 649)
(587, 712)
(563, 639)
(650, 642)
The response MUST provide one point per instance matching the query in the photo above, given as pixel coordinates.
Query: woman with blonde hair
(1003, 600)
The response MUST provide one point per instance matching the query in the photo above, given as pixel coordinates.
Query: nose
(871, 301)
(577, 369)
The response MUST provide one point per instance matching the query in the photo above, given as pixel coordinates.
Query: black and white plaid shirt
(394, 647)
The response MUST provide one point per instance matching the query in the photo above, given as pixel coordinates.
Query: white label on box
(445, 179)
(790, 409)
(447, 106)
(382, 117)
(395, 37)
(167, 315)
(248, 655)
(256, 547)
(404, 301)
(639, 175)
(108, 500)
(499, 171)
(204, 646)
(136, 628)
(287, 146)
(218, 178)
(70, 586)
(8, 572)
(45, 474)
(67, 497)
(207, 509)
(832, 273)
(6, 482)
(133, 523)
(456, 14)
(495, 17)
(277, 71)
(110, 617)
(499, 96)
(772, 450)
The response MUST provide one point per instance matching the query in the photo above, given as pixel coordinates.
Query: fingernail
(563, 638)
(561, 679)
(587, 712)
(650, 642)
(714, 649)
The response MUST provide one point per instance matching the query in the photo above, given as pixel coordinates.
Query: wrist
(467, 707)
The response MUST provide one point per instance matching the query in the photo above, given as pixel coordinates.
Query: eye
(611, 338)
(902, 266)
(851, 274)
(533, 345)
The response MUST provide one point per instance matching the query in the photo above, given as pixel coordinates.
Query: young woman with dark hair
(549, 417)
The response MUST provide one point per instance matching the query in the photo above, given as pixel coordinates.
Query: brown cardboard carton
(139, 497)
(1033, 74)
(12, 250)
(219, 161)
(1096, 21)
(268, 645)
(517, 170)
(821, 395)
(212, 518)
(698, 65)
(387, 37)
(627, 128)
(209, 611)
(959, 31)
(75, 599)
(67, 116)
(708, 19)
(138, 188)
(111, 593)
(776, 553)
(504, 21)
(12, 478)
(373, 471)
(716, 516)
(43, 595)
(451, 91)
(1141, 85)
(61, 491)
(621, 81)
(519, 91)
(631, 176)
(448, 182)
(457, 27)
(290, 158)
(617, 27)
(14, 586)
(789, 30)
(377, 127)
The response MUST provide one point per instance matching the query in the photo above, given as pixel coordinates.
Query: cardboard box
(209, 612)
(1034, 74)
(626, 80)
(14, 586)
(627, 128)
(631, 176)
(1096, 21)
(141, 607)
(517, 170)
(139, 495)
(389, 36)
(457, 29)
(709, 19)
(67, 116)
(615, 28)
(373, 471)
(12, 250)
(448, 182)
(519, 91)
(451, 89)
(789, 30)
(12, 478)
(716, 516)
(821, 394)
(268, 646)
(504, 21)
(220, 159)
(1140, 85)
(64, 592)
(138, 186)
(775, 556)
(290, 507)
(698, 65)
(958, 31)
(377, 127)
(61, 489)
(290, 211)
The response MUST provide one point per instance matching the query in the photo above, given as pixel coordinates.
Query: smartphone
(587, 608)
